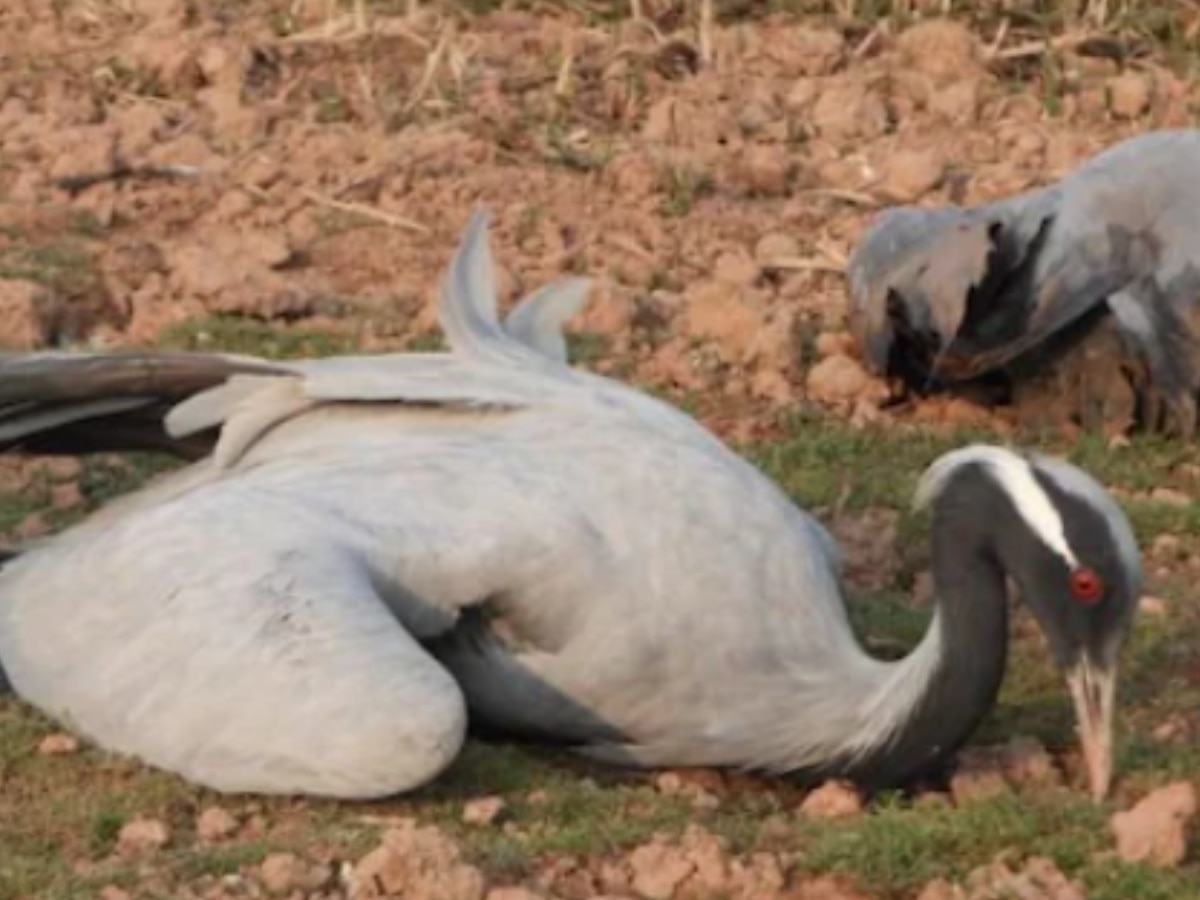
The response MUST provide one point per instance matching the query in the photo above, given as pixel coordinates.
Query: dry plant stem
(432, 63)
(1037, 48)
(866, 44)
(855, 198)
(707, 23)
(367, 212)
(631, 247)
(998, 42)
(804, 264)
(562, 84)
(74, 184)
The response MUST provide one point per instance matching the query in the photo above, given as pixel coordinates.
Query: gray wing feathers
(55, 401)
(489, 366)
(538, 320)
(533, 332)
(26, 419)
(467, 304)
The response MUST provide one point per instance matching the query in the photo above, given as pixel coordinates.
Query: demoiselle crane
(941, 296)
(379, 547)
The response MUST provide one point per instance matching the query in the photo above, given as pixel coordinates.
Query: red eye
(1086, 585)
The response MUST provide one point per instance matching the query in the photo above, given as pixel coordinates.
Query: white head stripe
(1014, 475)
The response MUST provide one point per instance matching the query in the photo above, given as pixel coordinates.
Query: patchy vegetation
(288, 178)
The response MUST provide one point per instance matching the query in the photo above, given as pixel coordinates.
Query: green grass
(237, 334)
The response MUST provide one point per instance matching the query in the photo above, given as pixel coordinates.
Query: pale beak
(1092, 691)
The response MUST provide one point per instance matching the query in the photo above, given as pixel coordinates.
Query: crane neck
(931, 701)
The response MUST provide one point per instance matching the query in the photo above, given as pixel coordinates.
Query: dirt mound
(285, 162)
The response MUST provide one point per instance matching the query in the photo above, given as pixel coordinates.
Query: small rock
(1129, 94)
(848, 110)
(513, 893)
(1166, 546)
(774, 348)
(724, 314)
(215, 823)
(32, 526)
(63, 468)
(837, 379)
(66, 496)
(112, 892)
(699, 786)
(142, 836)
(772, 385)
(1170, 496)
(418, 863)
(753, 118)
(483, 810)
(910, 174)
(735, 268)
(1174, 726)
(280, 872)
(940, 889)
(1152, 606)
(833, 800)
(960, 411)
(978, 777)
(825, 887)
(270, 249)
(957, 102)
(775, 246)
(537, 798)
(1038, 879)
(818, 51)
(58, 745)
(758, 878)
(940, 48)
(1154, 831)
(763, 170)
(657, 870)
(1025, 760)
(22, 316)
(833, 343)
(802, 95)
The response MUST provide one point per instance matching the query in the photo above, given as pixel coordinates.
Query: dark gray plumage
(945, 296)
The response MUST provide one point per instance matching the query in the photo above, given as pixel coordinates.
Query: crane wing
(83, 402)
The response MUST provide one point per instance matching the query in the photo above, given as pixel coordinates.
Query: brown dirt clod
(1155, 829)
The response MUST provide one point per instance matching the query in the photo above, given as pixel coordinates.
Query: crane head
(1072, 553)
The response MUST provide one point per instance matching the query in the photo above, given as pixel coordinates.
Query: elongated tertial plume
(467, 307)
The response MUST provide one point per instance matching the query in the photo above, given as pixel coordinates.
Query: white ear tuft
(1013, 473)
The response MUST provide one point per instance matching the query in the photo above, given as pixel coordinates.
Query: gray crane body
(379, 548)
(939, 296)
